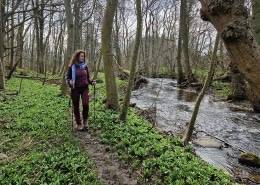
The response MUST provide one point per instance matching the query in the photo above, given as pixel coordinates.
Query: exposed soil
(110, 169)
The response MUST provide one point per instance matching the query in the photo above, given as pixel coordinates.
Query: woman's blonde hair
(75, 57)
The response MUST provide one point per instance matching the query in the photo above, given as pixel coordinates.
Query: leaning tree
(230, 18)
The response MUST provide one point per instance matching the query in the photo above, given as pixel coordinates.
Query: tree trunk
(116, 40)
(39, 29)
(221, 55)
(97, 67)
(41, 41)
(256, 26)
(12, 40)
(92, 47)
(180, 76)
(238, 84)
(36, 31)
(111, 87)
(77, 25)
(32, 50)
(19, 51)
(256, 19)
(230, 18)
(123, 114)
(184, 21)
(56, 51)
(146, 46)
(70, 28)
(2, 23)
(60, 55)
(20, 43)
(189, 131)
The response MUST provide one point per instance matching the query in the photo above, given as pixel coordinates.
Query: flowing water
(174, 107)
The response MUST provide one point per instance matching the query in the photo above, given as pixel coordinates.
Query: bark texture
(238, 84)
(230, 18)
(180, 75)
(2, 21)
(70, 46)
(185, 37)
(111, 88)
(256, 19)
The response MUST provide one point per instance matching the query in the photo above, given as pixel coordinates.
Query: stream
(216, 119)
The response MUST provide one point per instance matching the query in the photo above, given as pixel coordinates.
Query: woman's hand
(72, 84)
(94, 82)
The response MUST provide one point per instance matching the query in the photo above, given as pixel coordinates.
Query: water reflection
(187, 96)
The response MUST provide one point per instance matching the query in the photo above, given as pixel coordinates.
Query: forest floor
(38, 145)
(110, 169)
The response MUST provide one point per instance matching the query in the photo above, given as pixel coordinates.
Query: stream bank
(217, 120)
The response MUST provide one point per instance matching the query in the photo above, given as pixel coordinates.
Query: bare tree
(188, 133)
(123, 114)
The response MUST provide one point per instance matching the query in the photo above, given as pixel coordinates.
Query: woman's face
(81, 57)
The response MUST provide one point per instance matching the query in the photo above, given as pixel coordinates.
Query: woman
(78, 80)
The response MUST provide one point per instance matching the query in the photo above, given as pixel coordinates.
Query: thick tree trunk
(111, 87)
(39, 30)
(189, 131)
(230, 18)
(238, 84)
(256, 26)
(185, 38)
(77, 24)
(123, 114)
(70, 28)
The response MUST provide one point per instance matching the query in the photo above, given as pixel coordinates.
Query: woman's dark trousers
(76, 93)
